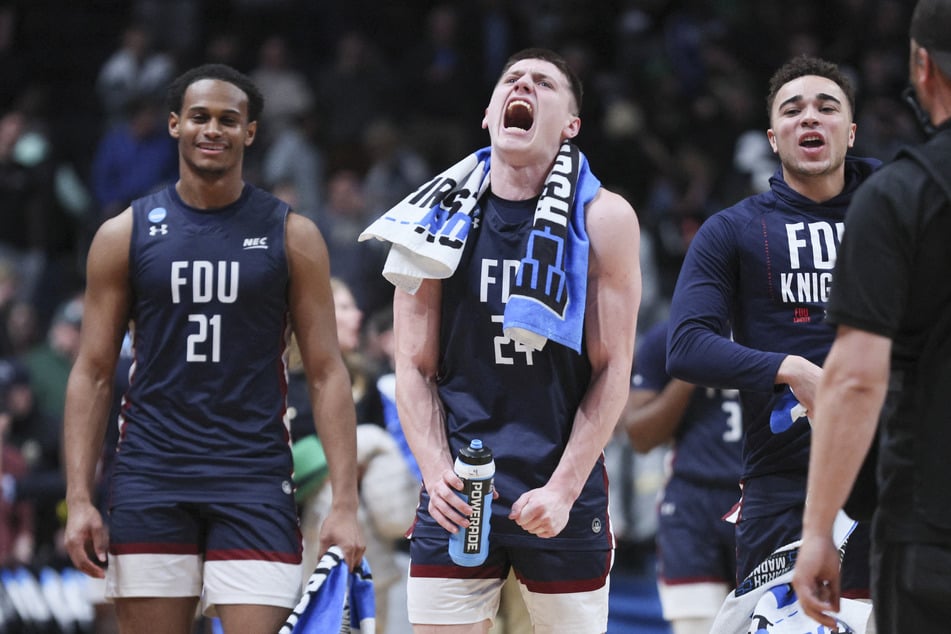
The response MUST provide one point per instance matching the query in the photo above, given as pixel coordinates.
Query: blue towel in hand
(335, 600)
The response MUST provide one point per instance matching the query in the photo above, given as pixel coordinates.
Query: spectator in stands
(353, 89)
(395, 169)
(295, 158)
(135, 157)
(37, 437)
(25, 198)
(388, 489)
(50, 361)
(16, 515)
(286, 90)
(341, 219)
(134, 69)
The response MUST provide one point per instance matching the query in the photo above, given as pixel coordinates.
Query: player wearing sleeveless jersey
(213, 275)
(547, 414)
(696, 548)
(762, 269)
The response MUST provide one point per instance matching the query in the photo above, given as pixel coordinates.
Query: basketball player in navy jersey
(696, 549)
(546, 415)
(213, 274)
(762, 269)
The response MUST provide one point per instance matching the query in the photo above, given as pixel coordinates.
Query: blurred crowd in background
(365, 100)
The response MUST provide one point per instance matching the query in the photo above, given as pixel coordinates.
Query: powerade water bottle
(470, 546)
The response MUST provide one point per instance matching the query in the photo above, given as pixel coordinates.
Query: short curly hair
(803, 65)
(222, 72)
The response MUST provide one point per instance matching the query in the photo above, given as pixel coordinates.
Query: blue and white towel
(765, 602)
(335, 600)
(787, 411)
(428, 231)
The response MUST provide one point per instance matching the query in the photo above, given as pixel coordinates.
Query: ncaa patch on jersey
(158, 214)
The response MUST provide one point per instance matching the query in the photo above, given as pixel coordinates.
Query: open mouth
(811, 141)
(519, 114)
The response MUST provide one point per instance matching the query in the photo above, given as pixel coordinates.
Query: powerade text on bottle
(474, 465)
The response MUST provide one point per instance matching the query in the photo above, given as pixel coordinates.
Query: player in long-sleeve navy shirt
(762, 271)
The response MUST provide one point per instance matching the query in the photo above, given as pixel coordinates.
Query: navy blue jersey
(707, 447)
(763, 270)
(204, 415)
(521, 403)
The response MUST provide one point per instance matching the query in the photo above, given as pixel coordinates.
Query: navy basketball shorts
(757, 537)
(224, 553)
(696, 549)
(564, 590)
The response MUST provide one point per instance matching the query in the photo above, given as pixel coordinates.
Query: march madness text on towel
(428, 230)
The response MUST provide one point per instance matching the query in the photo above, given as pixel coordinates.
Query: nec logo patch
(255, 243)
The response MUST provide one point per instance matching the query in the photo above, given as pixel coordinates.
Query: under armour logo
(155, 230)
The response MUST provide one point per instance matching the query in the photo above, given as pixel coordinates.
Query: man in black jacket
(892, 305)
